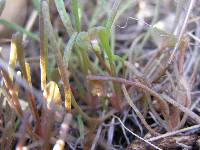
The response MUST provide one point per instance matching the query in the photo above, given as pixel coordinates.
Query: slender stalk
(25, 70)
(61, 65)
(43, 49)
(152, 131)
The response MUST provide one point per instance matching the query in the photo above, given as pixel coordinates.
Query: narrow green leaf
(104, 40)
(103, 35)
(64, 16)
(81, 126)
(61, 65)
(36, 4)
(112, 15)
(76, 15)
(83, 40)
(68, 49)
(97, 13)
(19, 29)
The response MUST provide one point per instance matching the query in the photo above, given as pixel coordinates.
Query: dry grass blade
(183, 27)
(11, 91)
(52, 95)
(142, 139)
(20, 54)
(152, 131)
(195, 127)
(43, 49)
(182, 108)
(28, 70)
(13, 56)
(25, 69)
(161, 98)
(61, 65)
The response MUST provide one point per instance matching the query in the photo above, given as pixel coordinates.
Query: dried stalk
(152, 131)
(69, 99)
(152, 92)
(25, 70)
(182, 30)
(43, 49)
(12, 93)
(61, 65)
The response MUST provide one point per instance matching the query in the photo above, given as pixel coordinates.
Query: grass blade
(81, 126)
(13, 57)
(61, 65)
(76, 15)
(36, 4)
(43, 50)
(64, 16)
(19, 29)
(112, 15)
(104, 40)
(68, 49)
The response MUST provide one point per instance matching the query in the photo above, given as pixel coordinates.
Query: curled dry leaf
(15, 12)
(52, 95)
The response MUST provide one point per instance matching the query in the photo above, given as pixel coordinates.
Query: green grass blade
(19, 29)
(64, 16)
(112, 15)
(76, 15)
(36, 4)
(104, 40)
(68, 49)
(81, 126)
(97, 13)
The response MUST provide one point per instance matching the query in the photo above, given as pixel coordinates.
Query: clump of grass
(86, 88)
